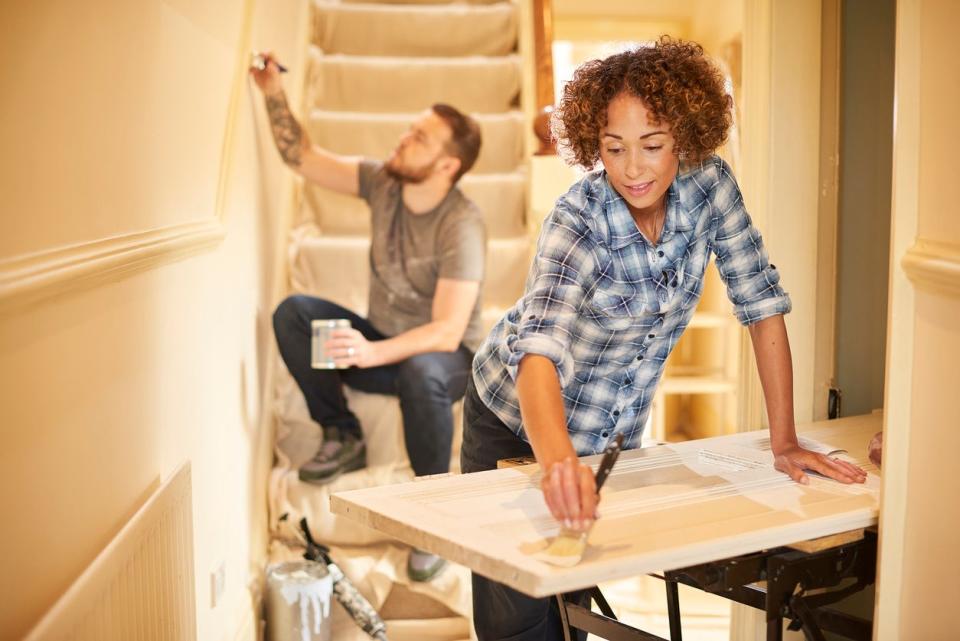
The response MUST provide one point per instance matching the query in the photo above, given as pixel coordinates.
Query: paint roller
(363, 613)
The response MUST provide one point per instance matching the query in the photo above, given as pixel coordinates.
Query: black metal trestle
(787, 584)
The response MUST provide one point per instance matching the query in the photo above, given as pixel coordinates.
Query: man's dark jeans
(500, 613)
(427, 384)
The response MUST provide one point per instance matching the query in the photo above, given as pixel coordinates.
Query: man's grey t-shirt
(410, 252)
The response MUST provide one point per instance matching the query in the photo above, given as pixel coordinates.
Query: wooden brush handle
(610, 455)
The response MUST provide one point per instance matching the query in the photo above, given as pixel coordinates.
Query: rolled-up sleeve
(555, 291)
(753, 284)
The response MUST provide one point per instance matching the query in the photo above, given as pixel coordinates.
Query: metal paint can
(321, 328)
(298, 601)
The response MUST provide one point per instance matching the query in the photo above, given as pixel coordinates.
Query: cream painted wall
(919, 513)
(89, 94)
(790, 228)
(115, 119)
(715, 23)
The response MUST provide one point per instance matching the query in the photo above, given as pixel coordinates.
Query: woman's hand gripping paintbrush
(567, 548)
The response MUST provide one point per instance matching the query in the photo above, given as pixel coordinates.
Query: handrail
(543, 51)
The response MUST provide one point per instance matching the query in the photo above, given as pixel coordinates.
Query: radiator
(140, 588)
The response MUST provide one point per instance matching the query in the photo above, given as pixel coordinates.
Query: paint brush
(567, 548)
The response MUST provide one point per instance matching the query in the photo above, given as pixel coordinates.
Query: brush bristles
(565, 550)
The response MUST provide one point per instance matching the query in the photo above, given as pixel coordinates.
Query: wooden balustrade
(543, 51)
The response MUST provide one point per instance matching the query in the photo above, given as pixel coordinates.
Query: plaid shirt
(607, 307)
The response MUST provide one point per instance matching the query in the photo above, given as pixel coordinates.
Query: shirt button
(616, 413)
(604, 434)
(660, 253)
(651, 336)
(639, 357)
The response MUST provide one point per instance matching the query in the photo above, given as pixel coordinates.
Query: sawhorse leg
(605, 625)
(673, 609)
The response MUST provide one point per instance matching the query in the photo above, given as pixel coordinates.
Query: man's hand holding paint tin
(337, 345)
(350, 348)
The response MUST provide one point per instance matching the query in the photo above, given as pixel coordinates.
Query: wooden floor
(663, 507)
(641, 602)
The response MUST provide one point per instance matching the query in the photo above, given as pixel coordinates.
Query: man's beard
(410, 175)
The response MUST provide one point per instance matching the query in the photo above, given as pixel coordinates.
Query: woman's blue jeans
(500, 613)
(427, 384)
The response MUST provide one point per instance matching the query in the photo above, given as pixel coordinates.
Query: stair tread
(473, 84)
(444, 7)
(425, 2)
(412, 30)
(512, 115)
(350, 240)
(508, 260)
(501, 197)
(421, 61)
(376, 135)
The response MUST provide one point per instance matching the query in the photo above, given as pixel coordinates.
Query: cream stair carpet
(373, 68)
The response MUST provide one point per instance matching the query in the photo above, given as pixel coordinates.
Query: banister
(543, 51)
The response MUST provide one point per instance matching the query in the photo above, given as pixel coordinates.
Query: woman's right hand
(570, 491)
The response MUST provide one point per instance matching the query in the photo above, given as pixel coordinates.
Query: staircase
(373, 68)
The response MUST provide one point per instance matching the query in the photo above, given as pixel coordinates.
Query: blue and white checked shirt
(607, 307)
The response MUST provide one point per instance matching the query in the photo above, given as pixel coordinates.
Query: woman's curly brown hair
(673, 78)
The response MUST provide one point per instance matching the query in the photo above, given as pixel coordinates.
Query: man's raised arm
(339, 173)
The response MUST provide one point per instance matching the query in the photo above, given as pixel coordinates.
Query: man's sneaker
(423, 566)
(338, 453)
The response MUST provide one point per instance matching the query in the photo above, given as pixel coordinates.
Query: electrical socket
(218, 583)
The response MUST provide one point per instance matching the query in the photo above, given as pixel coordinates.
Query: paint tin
(298, 601)
(321, 328)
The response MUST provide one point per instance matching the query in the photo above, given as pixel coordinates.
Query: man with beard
(426, 260)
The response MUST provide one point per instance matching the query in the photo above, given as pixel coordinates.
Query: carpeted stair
(373, 68)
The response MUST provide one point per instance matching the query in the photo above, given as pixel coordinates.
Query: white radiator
(140, 588)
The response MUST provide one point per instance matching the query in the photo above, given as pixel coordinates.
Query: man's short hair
(464, 137)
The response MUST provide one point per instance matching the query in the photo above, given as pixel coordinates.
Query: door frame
(791, 84)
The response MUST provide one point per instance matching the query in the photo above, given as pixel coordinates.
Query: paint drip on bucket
(298, 601)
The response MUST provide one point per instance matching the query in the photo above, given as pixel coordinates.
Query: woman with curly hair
(618, 272)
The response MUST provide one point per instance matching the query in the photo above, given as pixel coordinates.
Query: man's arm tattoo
(287, 132)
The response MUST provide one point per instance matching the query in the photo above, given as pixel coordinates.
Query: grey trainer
(338, 453)
(423, 566)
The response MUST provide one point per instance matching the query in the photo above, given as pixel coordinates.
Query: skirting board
(663, 508)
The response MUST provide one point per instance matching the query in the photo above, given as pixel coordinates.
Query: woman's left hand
(792, 460)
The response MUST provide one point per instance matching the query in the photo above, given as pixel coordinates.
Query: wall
(138, 265)
(715, 24)
(866, 156)
(919, 513)
(791, 222)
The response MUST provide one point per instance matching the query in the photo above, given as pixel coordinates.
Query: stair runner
(373, 68)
